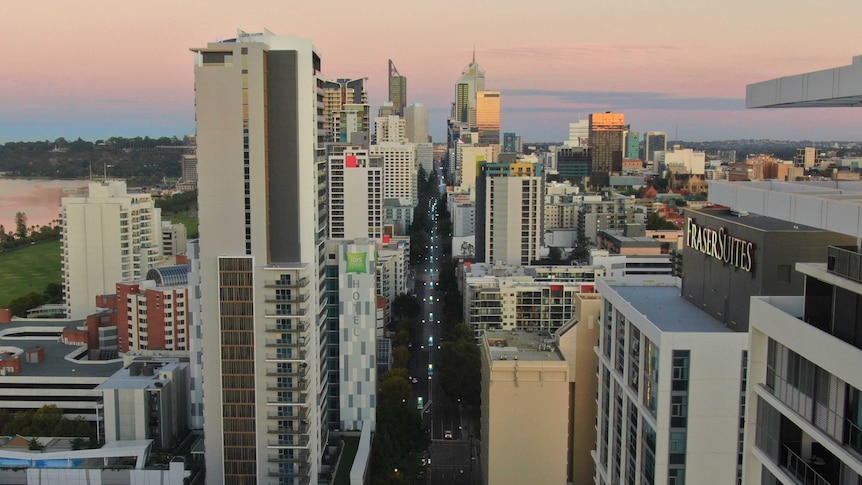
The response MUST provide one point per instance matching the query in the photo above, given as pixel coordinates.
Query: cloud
(626, 100)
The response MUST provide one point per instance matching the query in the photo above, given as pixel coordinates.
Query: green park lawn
(28, 269)
(191, 223)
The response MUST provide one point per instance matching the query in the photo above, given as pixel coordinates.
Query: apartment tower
(262, 194)
(110, 235)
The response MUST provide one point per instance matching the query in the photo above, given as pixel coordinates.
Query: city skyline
(124, 72)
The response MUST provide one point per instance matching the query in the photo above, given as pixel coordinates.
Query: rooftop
(61, 360)
(754, 221)
(839, 86)
(659, 300)
(522, 345)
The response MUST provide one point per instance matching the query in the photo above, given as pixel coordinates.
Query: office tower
(399, 171)
(633, 145)
(350, 124)
(110, 235)
(513, 209)
(355, 193)
(390, 129)
(397, 89)
(510, 143)
(262, 196)
(472, 81)
(416, 117)
(669, 387)
(574, 163)
(684, 160)
(425, 156)
(579, 134)
(339, 93)
(488, 116)
(606, 145)
(653, 142)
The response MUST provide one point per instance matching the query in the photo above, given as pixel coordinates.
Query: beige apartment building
(538, 394)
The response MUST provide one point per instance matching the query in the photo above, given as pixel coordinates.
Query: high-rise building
(669, 387)
(416, 116)
(488, 116)
(579, 134)
(510, 143)
(574, 163)
(351, 330)
(513, 214)
(154, 313)
(606, 145)
(355, 193)
(805, 157)
(110, 235)
(262, 196)
(633, 145)
(397, 89)
(390, 129)
(336, 95)
(472, 81)
(654, 141)
(350, 122)
(399, 171)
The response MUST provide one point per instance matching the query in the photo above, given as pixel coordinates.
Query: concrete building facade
(262, 265)
(355, 192)
(110, 235)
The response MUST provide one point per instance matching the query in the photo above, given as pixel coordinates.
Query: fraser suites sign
(720, 245)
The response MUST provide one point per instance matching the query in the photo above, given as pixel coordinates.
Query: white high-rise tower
(262, 194)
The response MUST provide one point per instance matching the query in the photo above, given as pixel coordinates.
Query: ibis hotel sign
(720, 245)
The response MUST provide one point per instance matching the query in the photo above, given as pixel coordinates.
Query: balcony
(299, 298)
(300, 355)
(298, 398)
(300, 442)
(845, 261)
(299, 343)
(299, 456)
(300, 283)
(298, 385)
(290, 327)
(301, 429)
(301, 312)
(300, 478)
(299, 370)
(300, 413)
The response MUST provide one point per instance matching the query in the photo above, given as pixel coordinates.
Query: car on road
(447, 435)
(414, 381)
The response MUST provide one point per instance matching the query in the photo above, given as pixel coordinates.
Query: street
(448, 425)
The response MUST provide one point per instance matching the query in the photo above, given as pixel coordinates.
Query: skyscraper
(397, 89)
(416, 116)
(633, 145)
(606, 143)
(488, 116)
(654, 141)
(109, 236)
(262, 193)
(472, 81)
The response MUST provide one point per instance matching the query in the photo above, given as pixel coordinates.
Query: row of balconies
(298, 355)
(300, 384)
(297, 398)
(293, 326)
(301, 282)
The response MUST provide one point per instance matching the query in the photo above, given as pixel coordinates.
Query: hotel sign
(720, 245)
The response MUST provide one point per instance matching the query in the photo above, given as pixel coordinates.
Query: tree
(656, 222)
(34, 445)
(460, 366)
(53, 293)
(400, 356)
(555, 254)
(19, 306)
(79, 443)
(20, 224)
(46, 419)
(405, 306)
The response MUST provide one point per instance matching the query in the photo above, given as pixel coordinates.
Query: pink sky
(97, 68)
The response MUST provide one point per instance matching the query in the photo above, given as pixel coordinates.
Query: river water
(39, 199)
